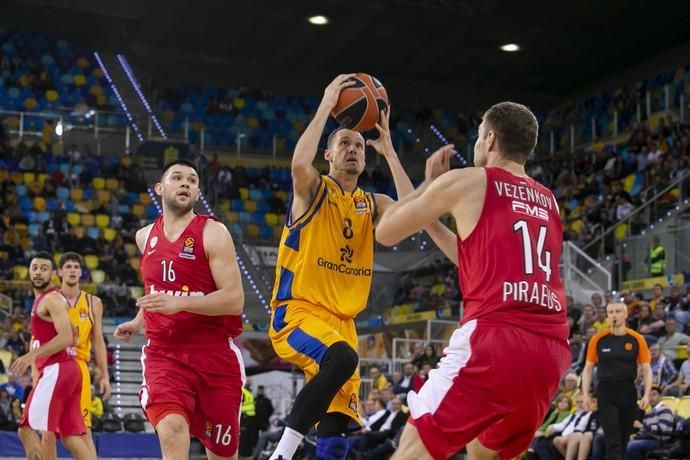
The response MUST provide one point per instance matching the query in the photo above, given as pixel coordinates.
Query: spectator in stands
(384, 428)
(576, 346)
(657, 296)
(561, 411)
(410, 380)
(424, 372)
(672, 340)
(586, 319)
(578, 443)
(378, 380)
(656, 258)
(15, 342)
(387, 397)
(264, 408)
(569, 386)
(429, 357)
(601, 322)
(656, 427)
(597, 301)
(561, 432)
(375, 395)
(663, 371)
(631, 302)
(679, 307)
(13, 389)
(681, 386)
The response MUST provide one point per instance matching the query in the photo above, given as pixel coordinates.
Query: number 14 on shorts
(222, 434)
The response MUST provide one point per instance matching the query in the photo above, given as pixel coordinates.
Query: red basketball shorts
(205, 387)
(54, 405)
(494, 383)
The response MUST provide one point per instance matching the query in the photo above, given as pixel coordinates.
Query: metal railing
(647, 215)
(581, 274)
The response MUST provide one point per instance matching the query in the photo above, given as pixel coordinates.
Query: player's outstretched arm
(57, 307)
(99, 348)
(305, 177)
(427, 204)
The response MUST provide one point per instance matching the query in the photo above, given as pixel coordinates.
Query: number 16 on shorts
(222, 435)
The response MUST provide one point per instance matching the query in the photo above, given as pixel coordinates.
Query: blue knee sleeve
(331, 448)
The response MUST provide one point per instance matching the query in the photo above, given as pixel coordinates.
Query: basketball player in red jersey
(53, 404)
(192, 372)
(492, 388)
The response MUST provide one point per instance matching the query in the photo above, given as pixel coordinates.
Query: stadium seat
(683, 409)
(88, 220)
(79, 231)
(244, 193)
(62, 193)
(40, 203)
(20, 272)
(103, 196)
(17, 178)
(134, 262)
(255, 194)
(112, 184)
(253, 231)
(250, 206)
(21, 190)
(29, 177)
(91, 261)
(97, 276)
(109, 234)
(34, 230)
(56, 257)
(138, 210)
(73, 219)
(93, 232)
(22, 230)
(42, 178)
(98, 183)
(144, 198)
(671, 402)
(232, 217)
(136, 292)
(131, 249)
(271, 218)
(76, 194)
(245, 217)
(102, 220)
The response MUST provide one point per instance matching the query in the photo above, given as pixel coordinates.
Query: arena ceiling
(565, 44)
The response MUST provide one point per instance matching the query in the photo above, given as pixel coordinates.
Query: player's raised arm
(305, 177)
(426, 205)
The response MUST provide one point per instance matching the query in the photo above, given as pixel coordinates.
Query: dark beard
(40, 287)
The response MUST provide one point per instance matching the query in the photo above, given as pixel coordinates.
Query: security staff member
(657, 258)
(617, 351)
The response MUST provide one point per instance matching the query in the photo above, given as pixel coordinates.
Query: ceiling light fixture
(510, 47)
(318, 20)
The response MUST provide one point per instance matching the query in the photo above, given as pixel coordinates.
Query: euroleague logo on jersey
(360, 205)
(188, 249)
(628, 347)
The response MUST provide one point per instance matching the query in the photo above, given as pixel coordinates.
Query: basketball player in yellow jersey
(323, 276)
(86, 316)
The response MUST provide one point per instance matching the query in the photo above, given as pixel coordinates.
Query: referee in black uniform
(617, 352)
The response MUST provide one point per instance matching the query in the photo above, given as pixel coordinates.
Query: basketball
(360, 105)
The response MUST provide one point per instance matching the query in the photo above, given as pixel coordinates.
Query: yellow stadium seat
(97, 276)
(144, 198)
(683, 409)
(232, 217)
(224, 205)
(88, 220)
(39, 203)
(131, 249)
(244, 193)
(138, 210)
(4, 175)
(281, 194)
(109, 234)
(134, 263)
(20, 272)
(73, 218)
(271, 218)
(6, 358)
(98, 183)
(671, 402)
(620, 231)
(42, 178)
(682, 352)
(112, 184)
(17, 178)
(22, 230)
(136, 292)
(127, 160)
(76, 194)
(253, 231)
(250, 205)
(56, 257)
(103, 196)
(29, 178)
(91, 261)
(79, 231)
(26, 244)
(102, 220)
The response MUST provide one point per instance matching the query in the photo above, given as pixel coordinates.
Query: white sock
(288, 444)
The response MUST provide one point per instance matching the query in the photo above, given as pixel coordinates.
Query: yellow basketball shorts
(85, 392)
(302, 333)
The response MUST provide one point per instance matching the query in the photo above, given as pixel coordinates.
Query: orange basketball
(359, 105)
